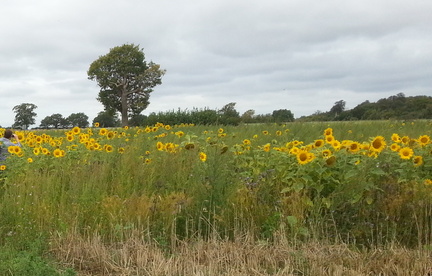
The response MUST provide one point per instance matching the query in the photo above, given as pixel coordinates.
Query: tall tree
(283, 115)
(78, 119)
(125, 80)
(24, 115)
(107, 118)
(228, 115)
(54, 121)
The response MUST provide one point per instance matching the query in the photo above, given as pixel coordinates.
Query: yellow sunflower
(76, 130)
(396, 138)
(329, 139)
(2, 167)
(328, 132)
(318, 143)
(57, 153)
(406, 153)
(246, 142)
(108, 148)
(103, 131)
(395, 147)
(202, 156)
(418, 160)
(354, 147)
(378, 144)
(423, 140)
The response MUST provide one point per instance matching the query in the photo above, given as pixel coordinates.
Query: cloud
(263, 55)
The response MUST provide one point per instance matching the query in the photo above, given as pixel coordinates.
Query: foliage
(397, 107)
(125, 79)
(54, 121)
(283, 115)
(24, 115)
(78, 119)
(107, 118)
(228, 115)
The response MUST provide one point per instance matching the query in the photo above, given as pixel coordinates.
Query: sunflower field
(362, 183)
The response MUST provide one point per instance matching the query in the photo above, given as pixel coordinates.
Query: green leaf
(292, 220)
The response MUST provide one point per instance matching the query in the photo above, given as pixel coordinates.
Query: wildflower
(418, 160)
(354, 147)
(406, 153)
(318, 143)
(326, 153)
(302, 157)
(329, 139)
(331, 160)
(378, 144)
(160, 146)
(328, 132)
(396, 138)
(57, 153)
(405, 140)
(202, 156)
(395, 147)
(423, 140)
(76, 130)
(108, 148)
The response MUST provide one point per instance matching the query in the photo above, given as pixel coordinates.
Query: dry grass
(243, 257)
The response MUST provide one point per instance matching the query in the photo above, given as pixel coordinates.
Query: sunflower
(303, 157)
(354, 147)
(179, 133)
(278, 133)
(378, 144)
(76, 130)
(418, 160)
(329, 139)
(147, 161)
(160, 146)
(328, 132)
(30, 160)
(202, 156)
(108, 148)
(336, 144)
(405, 140)
(121, 150)
(221, 130)
(395, 147)
(318, 143)
(326, 153)
(96, 124)
(57, 153)
(428, 182)
(167, 127)
(103, 131)
(331, 160)
(396, 138)
(266, 147)
(406, 153)
(294, 150)
(70, 138)
(246, 142)
(423, 140)
(265, 132)
(36, 151)
(2, 167)
(111, 134)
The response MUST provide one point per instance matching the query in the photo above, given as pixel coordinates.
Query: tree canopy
(125, 80)
(24, 115)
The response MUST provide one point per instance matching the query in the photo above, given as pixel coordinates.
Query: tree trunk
(124, 113)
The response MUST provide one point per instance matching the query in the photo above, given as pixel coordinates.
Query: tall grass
(175, 185)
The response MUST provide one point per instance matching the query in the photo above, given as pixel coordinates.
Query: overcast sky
(265, 55)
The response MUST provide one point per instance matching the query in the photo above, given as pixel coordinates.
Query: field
(345, 198)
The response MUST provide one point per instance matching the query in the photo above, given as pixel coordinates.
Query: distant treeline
(396, 107)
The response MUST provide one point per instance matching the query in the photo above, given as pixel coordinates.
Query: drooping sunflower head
(378, 144)
(418, 160)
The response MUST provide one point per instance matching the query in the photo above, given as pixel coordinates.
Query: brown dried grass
(245, 256)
